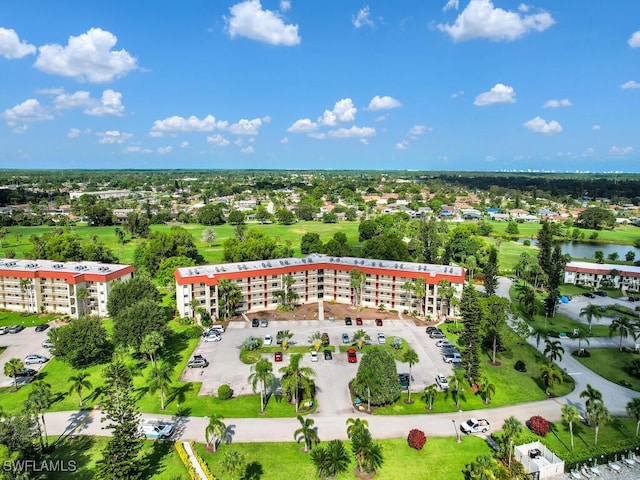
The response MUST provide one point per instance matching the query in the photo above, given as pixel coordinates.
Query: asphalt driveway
(19, 345)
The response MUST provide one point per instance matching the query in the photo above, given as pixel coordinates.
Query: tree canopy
(377, 378)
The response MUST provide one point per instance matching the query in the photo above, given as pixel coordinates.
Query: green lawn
(440, 458)
(159, 459)
(8, 318)
(613, 365)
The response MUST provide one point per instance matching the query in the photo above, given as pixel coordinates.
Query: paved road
(331, 418)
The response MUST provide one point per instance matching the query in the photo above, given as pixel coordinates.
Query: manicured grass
(396, 353)
(562, 324)
(159, 459)
(8, 318)
(440, 458)
(613, 365)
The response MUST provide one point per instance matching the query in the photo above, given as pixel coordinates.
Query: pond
(588, 250)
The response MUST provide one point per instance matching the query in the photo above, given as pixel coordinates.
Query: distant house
(593, 274)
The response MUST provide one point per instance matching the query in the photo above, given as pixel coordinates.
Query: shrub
(396, 342)
(520, 366)
(193, 332)
(583, 352)
(538, 425)
(224, 392)
(416, 439)
(251, 343)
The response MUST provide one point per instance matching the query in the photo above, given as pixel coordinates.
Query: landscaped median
(621, 367)
(186, 461)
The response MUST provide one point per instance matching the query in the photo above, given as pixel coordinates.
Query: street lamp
(459, 421)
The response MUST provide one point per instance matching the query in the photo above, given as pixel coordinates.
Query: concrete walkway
(194, 463)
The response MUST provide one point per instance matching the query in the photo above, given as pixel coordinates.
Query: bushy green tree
(160, 245)
(311, 243)
(168, 266)
(83, 342)
(134, 322)
(596, 218)
(377, 377)
(126, 294)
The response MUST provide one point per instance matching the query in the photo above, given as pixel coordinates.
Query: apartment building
(595, 274)
(317, 277)
(66, 288)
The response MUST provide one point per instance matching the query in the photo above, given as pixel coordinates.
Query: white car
(444, 343)
(314, 356)
(47, 344)
(212, 338)
(474, 425)
(382, 339)
(29, 359)
(442, 382)
(268, 340)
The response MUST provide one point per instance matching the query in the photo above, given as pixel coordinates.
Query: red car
(359, 321)
(379, 322)
(277, 357)
(351, 356)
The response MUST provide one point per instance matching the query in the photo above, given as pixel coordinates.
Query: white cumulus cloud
(451, 4)
(246, 127)
(343, 111)
(362, 18)
(553, 103)
(137, 149)
(634, 40)
(113, 137)
(184, 144)
(249, 20)
(630, 84)
(12, 47)
(76, 132)
(403, 145)
(595, 128)
(481, 19)
(353, 132)
(177, 124)
(87, 57)
(383, 103)
(498, 94)
(28, 111)
(620, 151)
(419, 130)
(540, 125)
(65, 101)
(217, 140)
(165, 150)
(248, 149)
(285, 5)
(110, 105)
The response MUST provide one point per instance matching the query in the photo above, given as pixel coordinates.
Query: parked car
(588, 295)
(351, 356)
(378, 322)
(212, 338)
(431, 329)
(444, 343)
(328, 355)
(404, 380)
(452, 358)
(442, 382)
(277, 357)
(264, 323)
(216, 328)
(451, 349)
(157, 429)
(381, 338)
(33, 358)
(474, 425)
(347, 321)
(16, 329)
(255, 322)
(268, 340)
(198, 361)
(437, 335)
(314, 356)
(42, 327)
(600, 293)
(345, 338)
(4, 330)
(25, 372)
(47, 344)
(358, 320)
(325, 339)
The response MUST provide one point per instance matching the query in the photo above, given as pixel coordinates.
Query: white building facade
(594, 274)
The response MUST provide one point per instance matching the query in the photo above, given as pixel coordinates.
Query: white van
(157, 429)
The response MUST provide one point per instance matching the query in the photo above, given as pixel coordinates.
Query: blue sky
(424, 84)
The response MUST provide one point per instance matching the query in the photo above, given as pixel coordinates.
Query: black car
(347, 321)
(588, 295)
(600, 293)
(26, 372)
(327, 355)
(255, 323)
(16, 329)
(431, 329)
(42, 327)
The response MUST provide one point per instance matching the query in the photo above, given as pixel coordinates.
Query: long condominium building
(318, 277)
(66, 288)
(600, 274)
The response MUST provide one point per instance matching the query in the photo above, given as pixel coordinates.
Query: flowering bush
(416, 439)
(538, 425)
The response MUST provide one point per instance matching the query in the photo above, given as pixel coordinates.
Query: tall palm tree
(262, 374)
(550, 375)
(40, 399)
(160, 379)
(306, 432)
(633, 409)
(591, 311)
(296, 377)
(11, 369)
(624, 327)
(215, 431)
(458, 379)
(354, 424)
(599, 415)
(429, 395)
(511, 428)
(570, 415)
(553, 350)
(288, 282)
(592, 395)
(526, 295)
(411, 357)
(582, 336)
(78, 383)
(357, 278)
(151, 343)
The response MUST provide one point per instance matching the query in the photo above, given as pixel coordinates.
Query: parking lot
(333, 376)
(578, 302)
(19, 345)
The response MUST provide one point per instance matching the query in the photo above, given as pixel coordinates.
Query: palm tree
(316, 340)
(330, 460)
(26, 285)
(354, 424)
(624, 327)
(215, 431)
(429, 395)
(357, 279)
(296, 377)
(550, 374)
(11, 369)
(306, 432)
(591, 311)
(457, 380)
(411, 357)
(526, 295)
(592, 395)
(262, 373)
(78, 383)
(511, 428)
(160, 379)
(40, 399)
(232, 463)
(151, 343)
(582, 336)
(553, 350)
(367, 453)
(570, 415)
(288, 282)
(487, 390)
(633, 409)
(599, 414)
(360, 336)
